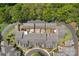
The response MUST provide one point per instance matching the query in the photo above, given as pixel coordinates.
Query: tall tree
(16, 13)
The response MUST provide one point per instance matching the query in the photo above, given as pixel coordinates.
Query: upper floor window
(42, 31)
(37, 30)
(31, 31)
(48, 30)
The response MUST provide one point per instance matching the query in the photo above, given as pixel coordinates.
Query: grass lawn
(67, 37)
(2, 26)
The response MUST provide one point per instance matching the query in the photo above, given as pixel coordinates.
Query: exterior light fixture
(55, 30)
(25, 33)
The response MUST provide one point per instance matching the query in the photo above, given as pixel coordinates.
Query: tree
(47, 13)
(2, 15)
(64, 12)
(16, 13)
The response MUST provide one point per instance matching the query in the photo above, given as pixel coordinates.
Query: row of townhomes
(47, 38)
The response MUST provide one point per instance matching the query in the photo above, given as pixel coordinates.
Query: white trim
(37, 48)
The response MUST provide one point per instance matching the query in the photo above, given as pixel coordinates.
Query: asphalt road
(75, 39)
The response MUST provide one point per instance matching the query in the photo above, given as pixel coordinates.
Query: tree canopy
(44, 11)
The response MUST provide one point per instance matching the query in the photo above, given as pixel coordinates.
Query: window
(27, 30)
(42, 31)
(23, 28)
(37, 30)
(48, 30)
(31, 31)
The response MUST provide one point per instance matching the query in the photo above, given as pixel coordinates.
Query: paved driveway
(75, 39)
